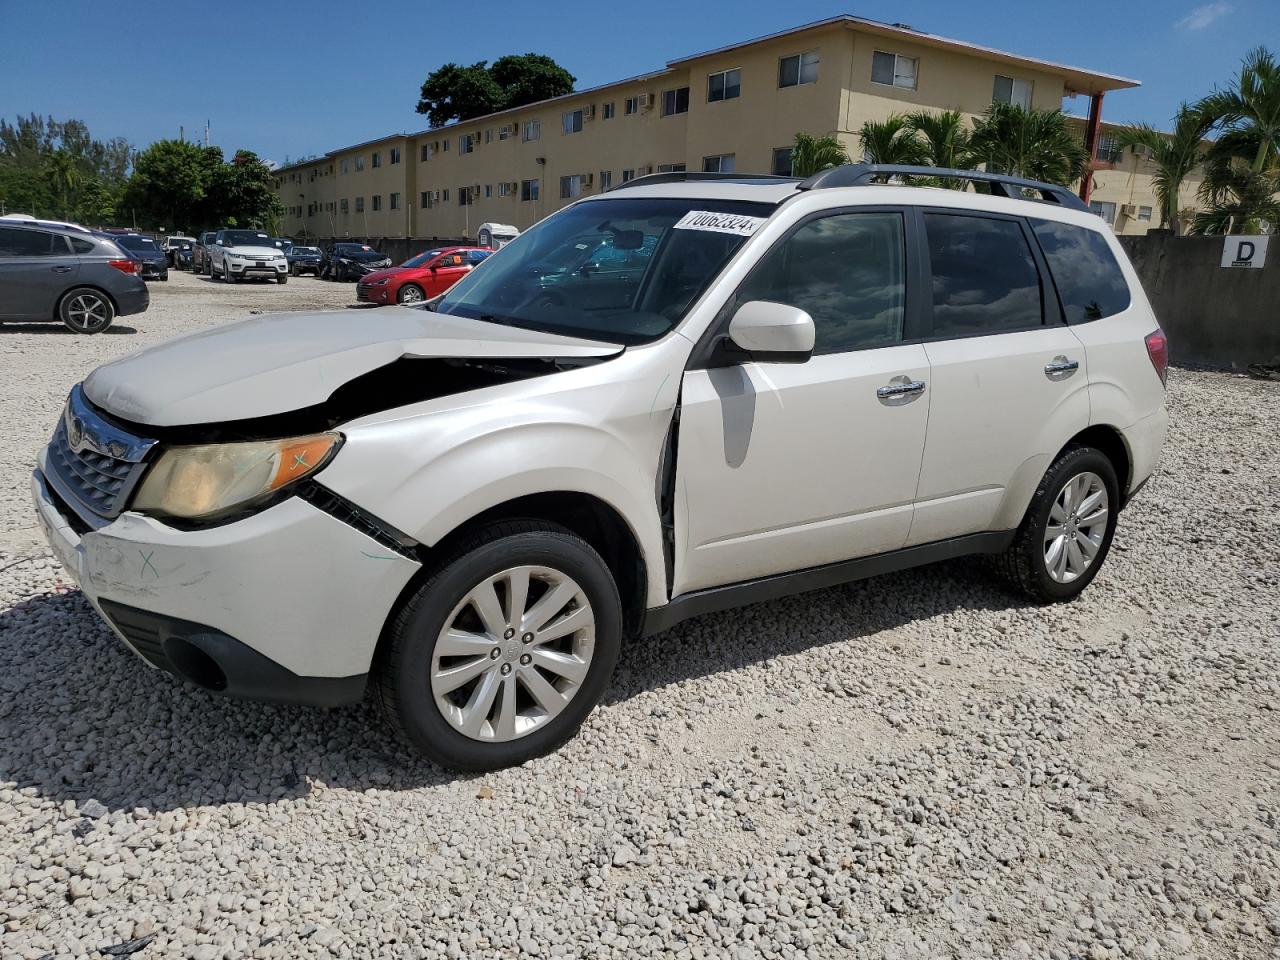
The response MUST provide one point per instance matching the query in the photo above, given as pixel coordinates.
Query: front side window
(572, 121)
(847, 271)
(617, 270)
(675, 101)
(723, 163)
(1089, 280)
(894, 70)
(726, 85)
(797, 69)
(31, 243)
(985, 278)
(1012, 90)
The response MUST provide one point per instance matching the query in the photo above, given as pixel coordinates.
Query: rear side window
(984, 276)
(847, 271)
(1089, 280)
(81, 246)
(31, 243)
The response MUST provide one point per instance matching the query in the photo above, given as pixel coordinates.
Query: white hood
(287, 361)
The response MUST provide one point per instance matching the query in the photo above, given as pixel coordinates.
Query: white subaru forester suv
(689, 393)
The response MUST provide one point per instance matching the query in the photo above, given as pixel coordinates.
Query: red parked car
(420, 278)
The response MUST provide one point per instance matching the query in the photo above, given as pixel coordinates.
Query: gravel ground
(915, 766)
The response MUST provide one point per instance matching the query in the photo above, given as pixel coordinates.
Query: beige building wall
(321, 196)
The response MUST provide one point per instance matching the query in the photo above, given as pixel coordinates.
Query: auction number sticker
(719, 222)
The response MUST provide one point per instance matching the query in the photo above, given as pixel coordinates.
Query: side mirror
(771, 332)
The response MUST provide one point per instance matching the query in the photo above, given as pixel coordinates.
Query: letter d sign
(1249, 252)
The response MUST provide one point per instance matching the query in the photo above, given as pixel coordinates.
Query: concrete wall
(1224, 317)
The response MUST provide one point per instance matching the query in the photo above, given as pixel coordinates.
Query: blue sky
(293, 78)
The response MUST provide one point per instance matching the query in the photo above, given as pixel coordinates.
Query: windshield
(308, 251)
(421, 258)
(623, 271)
(137, 243)
(356, 251)
(245, 238)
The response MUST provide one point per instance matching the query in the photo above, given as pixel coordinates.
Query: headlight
(209, 479)
(379, 283)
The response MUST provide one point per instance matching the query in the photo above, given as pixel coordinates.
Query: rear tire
(282, 279)
(1066, 534)
(522, 696)
(86, 310)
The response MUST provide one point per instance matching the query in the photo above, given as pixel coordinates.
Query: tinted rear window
(985, 278)
(81, 246)
(31, 243)
(1085, 270)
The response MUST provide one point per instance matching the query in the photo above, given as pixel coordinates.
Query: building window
(359, 204)
(1105, 209)
(606, 112)
(360, 162)
(723, 163)
(631, 105)
(798, 69)
(465, 197)
(628, 175)
(466, 143)
(572, 121)
(424, 200)
(344, 207)
(395, 201)
(504, 131)
(424, 152)
(346, 165)
(606, 179)
(1014, 91)
(1108, 149)
(505, 189)
(529, 189)
(893, 70)
(488, 134)
(395, 154)
(1144, 213)
(726, 85)
(675, 101)
(532, 130)
(377, 159)
(571, 187)
(782, 162)
(377, 201)
(671, 168)
(444, 195)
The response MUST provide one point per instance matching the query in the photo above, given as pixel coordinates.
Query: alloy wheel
(411, 294)
(513, 653)
(88, 312)
(1077, 527)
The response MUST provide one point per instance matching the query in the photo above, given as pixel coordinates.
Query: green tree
(1250, 108)
(810, 154)
(168, 183)
(458, 92)
(892, 140)
(1036, 144)
(65, 177)
(1174, 155)
(245, 190)
(945, 141)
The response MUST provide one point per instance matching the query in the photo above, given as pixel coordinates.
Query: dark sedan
(304, 260)
(351, 261)
(84, 280)
(155, 262)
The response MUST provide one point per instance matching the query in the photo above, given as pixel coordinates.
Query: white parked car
(683, 395)
(240, 254)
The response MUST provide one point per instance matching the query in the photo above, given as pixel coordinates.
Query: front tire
(282, 279)
(500, 654)
(86, 310)
(1068, 528)
(410, 293)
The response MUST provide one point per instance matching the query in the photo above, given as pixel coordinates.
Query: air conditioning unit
(514, 187)
(646, 101)
(1129, 210)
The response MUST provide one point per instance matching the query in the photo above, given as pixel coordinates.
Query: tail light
(124, 266)
(1158, 351)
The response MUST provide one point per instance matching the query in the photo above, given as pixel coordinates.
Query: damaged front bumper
(286, 604)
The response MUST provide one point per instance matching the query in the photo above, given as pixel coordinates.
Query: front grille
(93, 463)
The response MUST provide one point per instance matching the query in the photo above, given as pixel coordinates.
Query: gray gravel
(916, 766)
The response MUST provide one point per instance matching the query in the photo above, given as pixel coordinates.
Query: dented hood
(288, 361)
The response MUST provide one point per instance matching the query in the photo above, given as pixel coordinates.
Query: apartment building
(733, 109)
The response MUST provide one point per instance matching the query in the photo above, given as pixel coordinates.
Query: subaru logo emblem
(75, 431)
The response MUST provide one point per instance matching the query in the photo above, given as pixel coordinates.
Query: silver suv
(688, 393)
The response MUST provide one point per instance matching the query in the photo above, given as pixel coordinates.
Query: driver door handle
(62, 269)
(900, 390)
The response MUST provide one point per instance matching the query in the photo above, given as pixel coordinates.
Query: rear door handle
(1059, 368)
(61, 269)
(899, 390)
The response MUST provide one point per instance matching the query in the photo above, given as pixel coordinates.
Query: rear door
(1007, 375)
(36, 268)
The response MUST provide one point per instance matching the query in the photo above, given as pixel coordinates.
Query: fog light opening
(194, 664)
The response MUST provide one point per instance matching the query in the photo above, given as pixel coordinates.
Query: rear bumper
(1145, 440)
(286, 604)
(134, 298)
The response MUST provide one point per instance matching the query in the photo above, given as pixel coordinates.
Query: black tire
(1024, 564)
(282, 279)
(227, 275)
(400, 294)
(402, 671)
(86, 310)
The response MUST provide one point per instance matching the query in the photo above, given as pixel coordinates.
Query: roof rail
(695, 176)
(858, 174)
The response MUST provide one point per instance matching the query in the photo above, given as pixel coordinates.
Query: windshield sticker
(719, 222)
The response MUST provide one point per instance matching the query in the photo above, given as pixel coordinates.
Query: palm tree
(811, 154)
(1174, 155)
(891, 140)
(64, 176)
(1036, 144)
(1238, 199)
(1251, 107)
(945, 141)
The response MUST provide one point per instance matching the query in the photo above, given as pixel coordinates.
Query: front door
(785, 466)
